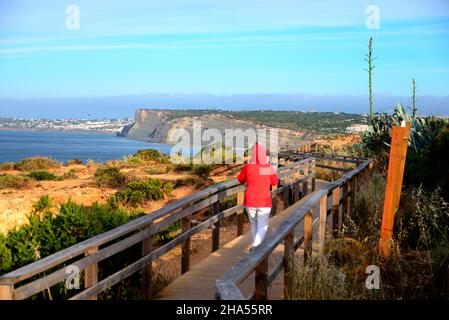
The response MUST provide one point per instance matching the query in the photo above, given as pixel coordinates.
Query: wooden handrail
(90, 252)
(227, 284)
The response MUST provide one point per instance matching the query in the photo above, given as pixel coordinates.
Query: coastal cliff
(159, 126)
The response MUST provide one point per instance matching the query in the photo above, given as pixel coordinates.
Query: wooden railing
(51, 270)
(342, 192)
(325, 161)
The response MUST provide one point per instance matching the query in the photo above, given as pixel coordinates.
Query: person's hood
(258, 154)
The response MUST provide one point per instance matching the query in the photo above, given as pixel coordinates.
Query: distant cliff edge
(160, 125)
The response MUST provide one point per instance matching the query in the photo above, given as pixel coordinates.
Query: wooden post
(344, 203)
(6, 291)
(286, 193)
(288, 266)
(274, 201)
(216, 227)
(262, 280)
(240, 214)
(305, 183)
(308, 220)
(335, 211)
(351, 195)
(147, 247)
(323, 222)
(91, 272)
(185, 258)
(396, 165)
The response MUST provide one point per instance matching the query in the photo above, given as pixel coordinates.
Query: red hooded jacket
(259, 175)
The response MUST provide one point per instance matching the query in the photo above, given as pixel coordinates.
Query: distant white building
(357, 128)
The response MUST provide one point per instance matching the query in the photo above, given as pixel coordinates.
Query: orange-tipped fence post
(396, 165)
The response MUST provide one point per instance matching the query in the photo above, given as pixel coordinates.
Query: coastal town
(113, 126)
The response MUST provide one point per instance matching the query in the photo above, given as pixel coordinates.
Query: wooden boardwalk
(230, 269)
(199, 282)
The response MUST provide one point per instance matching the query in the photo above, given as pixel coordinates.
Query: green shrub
(167, 234)
(152, 155)
(427, 163)
(36, 163)
(136, 198)
(71, 174)
(42, 176)
(74, 162)
(189, 181)
(109, 177)
(133, 161)
(170, 168)
(202, 170)
(5, 255)
(197, 182)
(47, 233)
(44, 203)
(182, 167)
(152, 170)
(14, 182)
(7, 166)
(23, 246)
(138, 192)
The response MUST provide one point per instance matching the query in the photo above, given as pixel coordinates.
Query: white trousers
(258, 218)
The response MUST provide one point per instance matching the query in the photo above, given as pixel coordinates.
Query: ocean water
(63, 146)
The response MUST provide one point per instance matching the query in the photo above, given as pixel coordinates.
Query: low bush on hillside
(36, 163)
(197, 182)
(74, 162)
(182, 167)
(202, 170)
(90, 163)
(152, 155)
(71, 174)
(14, 182)
(153, 170)
(138, 192)
(109, 177)
(43, 176)
(7, 166)
(50, 231)
(132, 161)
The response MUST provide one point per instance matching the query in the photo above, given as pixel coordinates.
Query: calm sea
(63, 146)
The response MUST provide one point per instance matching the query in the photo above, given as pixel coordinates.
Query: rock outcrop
(161, 125)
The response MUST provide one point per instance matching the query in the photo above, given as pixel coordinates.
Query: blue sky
(221, 47)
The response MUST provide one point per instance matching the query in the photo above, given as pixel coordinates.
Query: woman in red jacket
(258, 175)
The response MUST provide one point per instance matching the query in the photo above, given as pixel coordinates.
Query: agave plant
(426, 131)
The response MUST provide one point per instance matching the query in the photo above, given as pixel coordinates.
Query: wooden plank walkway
(199, 282)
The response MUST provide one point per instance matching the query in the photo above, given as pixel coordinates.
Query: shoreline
(84, 151)
(115, 134)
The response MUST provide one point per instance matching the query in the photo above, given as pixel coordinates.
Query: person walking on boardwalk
(258, 175)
